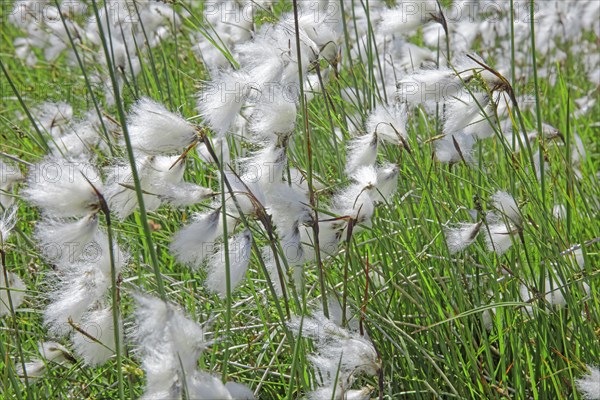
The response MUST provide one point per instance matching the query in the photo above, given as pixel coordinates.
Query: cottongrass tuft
(155, 130)
(589, 384)
(63, 188)
(169, 345)
(52, 353)
(238, 256)
(341, 355)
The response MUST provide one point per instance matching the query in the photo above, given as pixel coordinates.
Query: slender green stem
(538, 111)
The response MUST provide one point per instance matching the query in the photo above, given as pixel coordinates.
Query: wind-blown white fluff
(407, 16)
(8, 220)
(51, 353)
(156, 179)
(62, 242)
(362, 151)
(154, 130)
(274, 114)
(472, 115)
(221, 101)
(184, 194)
(589, 384)
(239, 258)
(452, 149)
(58, 187)
(388, 123)
(462, 236)
(340, 355)
(498, 237)
(506, 204)
(169, 345)
(193, 243)
(75, 291)
(99, 325)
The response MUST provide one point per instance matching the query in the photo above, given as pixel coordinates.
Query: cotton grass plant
(316, 199)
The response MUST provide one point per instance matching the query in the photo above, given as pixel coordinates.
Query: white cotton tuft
(498, 238)
(559, 211)
(239, 258)
(340, 355)
(99, 344)
(506, 204)
(554, 291)
(184, 194)
(460, 237)
(472, 115)
(53, 117)
(355, 202)
(204, 386)
(63, 242)
(17, 290)
(59, 187)
(169, 345)
(428, 86)
(239, 391)
(247, 191)
(288, 207)
(193, 243)
(8, 220)
(156, 178)
(452, 149)
(221, 101)
(387, 183)
(51, 353)
(274, 115)
(362, 152)
(264, 168)
(578, 153)
(76, 291)
(154, 130)
(589, 384)
(407, 17)
(388, 123)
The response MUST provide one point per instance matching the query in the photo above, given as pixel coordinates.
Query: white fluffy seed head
(8, 220)
(221, 101)
(238, 256)
(154, 130)
(59, 187)
(589, 384)
(99, 344)
(10, 174)
(388, 123)
(407, 16)
(362, 152)
(462, 236)
(274, 114)
(63, 242)
(193, 243)
(169, 345)
(506, 204)
(452, 149)
(498, 238)
(53, 117)
(466, 116)
(78, 289)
